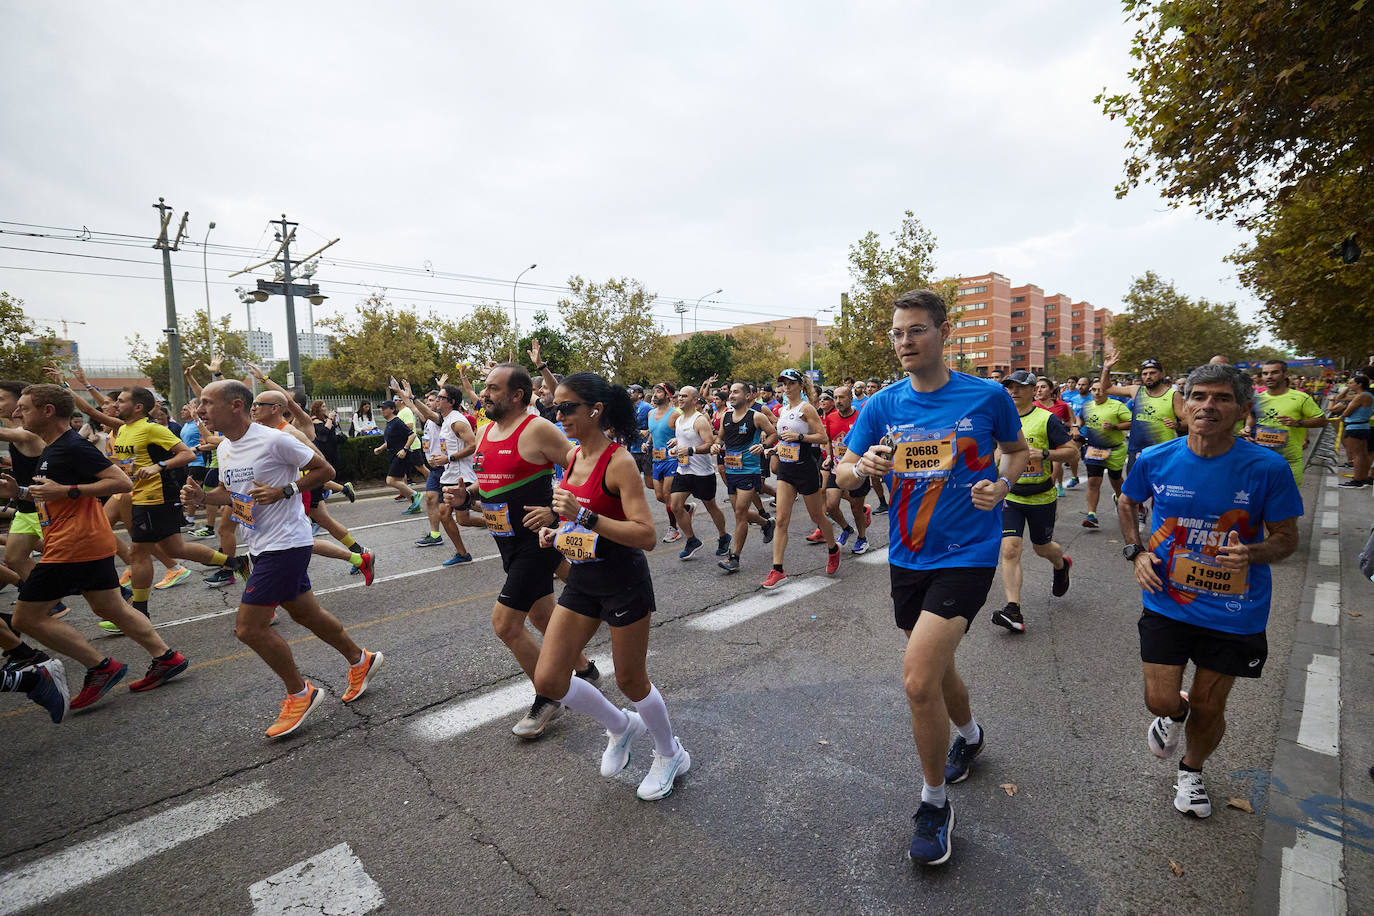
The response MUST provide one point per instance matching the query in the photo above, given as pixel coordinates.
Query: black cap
(1019, 377)
(1151, 364)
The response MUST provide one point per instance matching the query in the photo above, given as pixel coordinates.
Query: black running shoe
(1061, 579)
(730, 565)
(1010, 617)
(769, 526)
(723, 545)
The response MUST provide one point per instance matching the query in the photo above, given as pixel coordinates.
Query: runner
(944, 427)
(1284, 415)
(260, 482)
(78, 555)
(695, 475)
(662, 424)
(514, 463)
(1078, 395)
(1031, 501)
(800, 437)
(838, 423)
(739, 447)
(1156, 408)
(449, 445)
(395, 437)
(1224, 510)
(1047, 396)
(643, 461)
(1101, 424)
(606, 527)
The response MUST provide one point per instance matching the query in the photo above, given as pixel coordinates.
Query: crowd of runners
(561, 473)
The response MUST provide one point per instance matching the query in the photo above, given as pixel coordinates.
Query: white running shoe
(1164, 733)
(1192, 795)
(542, 712)
(659, 783)
(616, 757)
(672, 535)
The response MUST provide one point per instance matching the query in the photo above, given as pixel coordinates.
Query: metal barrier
(1322, 448)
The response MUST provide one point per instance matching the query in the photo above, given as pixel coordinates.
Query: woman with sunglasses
(800, 436)
(604, 528)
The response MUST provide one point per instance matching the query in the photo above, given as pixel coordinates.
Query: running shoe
(220, 578)
(368, 568)
(1191, 795)
(671, 535)
(1073, 482)
(98, 682)
(457, 558)
(350, 492)
(294, 710)
(881, 510)
(175, 576)
(959, 761)
(1061, 579)
(933, 841)
(1010, 617)
(1059, 489)
(1090, 520)
(868, 516)
(429, 540)
(202, 532)
(769, 526)
(723, 545)
(860, 546)
(1351, 484)
(815, 537)
(591, 674)
(832, 562)
(241, 565)
(160, 672)
(730, 564)
(844, 536)
(19, 664)
(616, 756)
(51, 690)
(59, 610)
(360, 675)
(126, 577)
(774, 578)
(690, 549)
(1164, 733)
(659, 783)
(400, 498)
(542, 712)
(110, 628)
(317, 530)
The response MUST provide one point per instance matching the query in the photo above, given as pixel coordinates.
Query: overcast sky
(693, 147)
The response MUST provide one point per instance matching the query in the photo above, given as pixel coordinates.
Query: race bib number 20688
(917, 457)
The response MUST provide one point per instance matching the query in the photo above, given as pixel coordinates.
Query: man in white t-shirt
(260, 482)
(449, 443)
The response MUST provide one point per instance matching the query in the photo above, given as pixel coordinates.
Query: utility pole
(176, 384)
(293, 349)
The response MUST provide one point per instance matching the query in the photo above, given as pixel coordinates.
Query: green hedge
(356, 461)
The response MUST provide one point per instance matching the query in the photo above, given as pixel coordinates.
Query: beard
(496, 410)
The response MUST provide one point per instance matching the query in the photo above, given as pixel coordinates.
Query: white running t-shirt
(272, 458)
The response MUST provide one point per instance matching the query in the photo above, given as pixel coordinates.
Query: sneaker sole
(1190, 812)
(314, 701)
(689, 554)
(171, 673)
(1008, 625)
(949, 846)
(377, 659)
(530, 736)
(775, 584)
(177, 581)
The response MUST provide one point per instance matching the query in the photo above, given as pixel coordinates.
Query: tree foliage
(194, 332)
(759, 355)
(1076, 364)
(484, 335)
(1161, 323)
(378, 341)
(18, 360)
(612, 332)
(702, 355)
(554, 346)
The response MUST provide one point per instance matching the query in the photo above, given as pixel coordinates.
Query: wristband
(1005, 481)
(541, 367)
(23, 493)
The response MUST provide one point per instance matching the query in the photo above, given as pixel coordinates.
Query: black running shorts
(832, 484)
(702, 486)
(1166, 641)
(151, 524)
(599, 593)
(958, 591)
(529, 571)
(804, 476)
(54, 581)
(1017, 517)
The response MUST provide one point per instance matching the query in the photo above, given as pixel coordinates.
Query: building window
(1076, 338)
(1019, 314)
(1018, 298)
(1078, 313)
(972, 323)
(1018, 328)
(974, 306)
(1018, 343)
(1050, 306)
(972, 290)
(976, 338)
(980, 354)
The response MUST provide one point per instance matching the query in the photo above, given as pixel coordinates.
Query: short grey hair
(1221, 372)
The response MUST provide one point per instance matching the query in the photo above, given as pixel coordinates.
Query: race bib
(1271, 437)
(734, 461)
(1093, 453)
(1204, 575)
(839, 447)
(241, 508)
(443, 446)
(660, 454)
(576, 543)
(41, 508)
(497, 517)
(789, 452)
(916, 458)
(1035, 465)
(683, 461)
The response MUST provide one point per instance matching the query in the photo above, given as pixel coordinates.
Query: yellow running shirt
(140, 444)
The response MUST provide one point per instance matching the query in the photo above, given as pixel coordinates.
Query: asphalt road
(417, 799)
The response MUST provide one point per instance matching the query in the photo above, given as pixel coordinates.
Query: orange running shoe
(294, 710)
(126, 577)
(359, 676)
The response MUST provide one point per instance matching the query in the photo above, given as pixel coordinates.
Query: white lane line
(1333, 481)
(1326, 606)
(1331, 499)
(333, 882)
(738, 612)
(875, 556)
(1330, 520)
(46, 878)
(1310, 877)
(1319, 729)
(397, 521)
(464, 715)
(1329, 553)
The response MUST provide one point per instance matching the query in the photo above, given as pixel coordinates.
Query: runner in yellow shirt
(1284, 415)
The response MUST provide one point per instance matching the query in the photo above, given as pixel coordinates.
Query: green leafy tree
(759, 355)
(703, 355)
(611, 331)
(308, 380)
(194, 332)
(482, 336)
(858, 340)
(19, 360)
(1161, 323)
(378, 341)
(554, 346)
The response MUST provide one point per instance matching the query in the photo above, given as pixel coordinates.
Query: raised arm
(82, 404)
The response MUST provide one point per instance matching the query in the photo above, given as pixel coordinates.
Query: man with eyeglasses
(934, 439)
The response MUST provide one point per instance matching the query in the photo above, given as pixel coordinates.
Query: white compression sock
(969, 731)
(934, 795)
(584, 698)
(655, 715)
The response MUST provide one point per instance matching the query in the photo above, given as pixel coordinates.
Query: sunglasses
(566, 407)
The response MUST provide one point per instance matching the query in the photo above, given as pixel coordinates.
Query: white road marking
(738, 612)
(464, 715)
(1331, 499)
(333, 882)
(397, 521)
(1319, 729)
(1326, 607)
(1330, 520)
(1334, 480)
(875, 556)
(1329, 553)
(79, 865)
(1311, 876)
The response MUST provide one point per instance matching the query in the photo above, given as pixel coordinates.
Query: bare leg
(927, 670)
(1207, 715)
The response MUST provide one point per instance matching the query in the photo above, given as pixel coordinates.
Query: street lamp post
(515, 318)
(811, 346)
(681, 309)
(695, 326)
(205, 272)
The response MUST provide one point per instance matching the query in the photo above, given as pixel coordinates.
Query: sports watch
(74, 492)
(1131, 551)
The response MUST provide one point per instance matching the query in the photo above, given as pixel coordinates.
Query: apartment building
(1019, 327)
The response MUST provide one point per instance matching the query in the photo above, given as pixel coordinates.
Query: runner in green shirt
(1103, 423)
(1284, 415)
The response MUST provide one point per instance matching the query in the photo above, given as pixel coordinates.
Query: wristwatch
(74, 492)
(1131, 551)
(289, 491)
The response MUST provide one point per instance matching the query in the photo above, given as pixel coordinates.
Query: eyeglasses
(916, 330)
(265, 404)
(566, 407)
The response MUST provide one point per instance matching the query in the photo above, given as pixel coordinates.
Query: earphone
(593, 413)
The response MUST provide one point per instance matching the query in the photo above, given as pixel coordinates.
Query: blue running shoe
(51, 690)
(860, 546)
(429, 540)
(844, 536)
(690, 549)
(961, 755)
(457, 558)
(933, 841)
(723, 545)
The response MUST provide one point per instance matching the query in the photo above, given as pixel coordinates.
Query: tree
(312, 386)
(703, 355)
(759, 355)
(554, 346)
(194, 333)
(1161, 323)
(484, 335)
(379, 341)
(859, 337)
(19, 360)
(612, 332)
(1075, 364)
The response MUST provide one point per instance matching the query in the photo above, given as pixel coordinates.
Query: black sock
(1187, 769)
(142, 608)
(8, 618)
(834, 549)
(734, 556)
(165, 656)
(778, 567)
(1183, 715)
(21, 652)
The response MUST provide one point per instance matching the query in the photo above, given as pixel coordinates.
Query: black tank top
(24, 466)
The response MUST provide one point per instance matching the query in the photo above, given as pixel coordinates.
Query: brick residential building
(1019, 327)
(797, 334)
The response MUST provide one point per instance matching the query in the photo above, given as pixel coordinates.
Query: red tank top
(499, 467)
(592, 493)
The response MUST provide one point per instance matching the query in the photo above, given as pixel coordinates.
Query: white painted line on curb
(1326, 606)
(79, 865)
(1330, 520)
(1329, 553)
(453, 719)
(738, 612)
(1319, 729)
(1334, 480)
(875, 556)
(1310, 877)
(333, 882)
(1331, 499)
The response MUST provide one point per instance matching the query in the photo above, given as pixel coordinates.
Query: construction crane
(62, 321)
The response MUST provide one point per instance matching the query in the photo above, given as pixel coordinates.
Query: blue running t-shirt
(945, 440)
(1197, 502)
(642, 410)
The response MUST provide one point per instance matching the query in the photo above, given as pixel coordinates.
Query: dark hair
(300, 398)
(140, 395)
(1282, 364)
(519, 379)
(64, 405)
(927, 299)
(14, 388)
(618, 414)
(454, 395)
(1359, 381)
(235, 390)
(364, 409)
